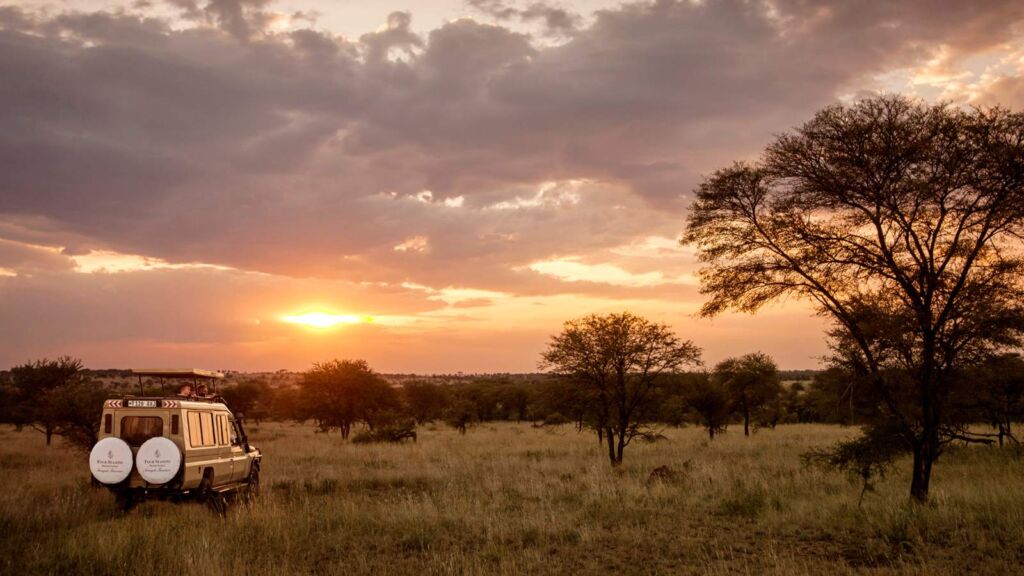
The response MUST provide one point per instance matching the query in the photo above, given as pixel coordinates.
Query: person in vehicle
(185, 390)
(202, 390)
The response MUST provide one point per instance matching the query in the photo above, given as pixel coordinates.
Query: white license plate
(142, 403)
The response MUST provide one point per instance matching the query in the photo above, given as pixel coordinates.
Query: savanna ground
(512, 499)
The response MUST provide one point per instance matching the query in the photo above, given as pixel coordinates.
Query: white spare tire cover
(158, 460)
(110, 460)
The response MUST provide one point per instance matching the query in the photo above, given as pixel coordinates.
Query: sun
(325, 319)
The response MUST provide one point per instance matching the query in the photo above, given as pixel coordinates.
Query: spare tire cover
(158, 460)
(110, 460)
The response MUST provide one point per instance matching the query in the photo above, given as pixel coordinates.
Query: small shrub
(396, 432)
(866, 458)
(744, 503)
(555, 419)
(665, 474)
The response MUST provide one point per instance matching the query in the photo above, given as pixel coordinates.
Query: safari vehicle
(177, 446)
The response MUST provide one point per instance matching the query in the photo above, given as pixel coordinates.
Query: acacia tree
(424, 401)
(77, 409)
(340, 393)
(251, 397)
(620, 358)
(35, 392)
(996, 389)
(901, 223)
(709, 400)
(752, 382)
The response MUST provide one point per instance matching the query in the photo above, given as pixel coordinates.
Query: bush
(866, 458)
(555, 419)
(744, 502)
(396, 432)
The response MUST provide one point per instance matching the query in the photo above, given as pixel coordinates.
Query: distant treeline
(461, 401)
(60, 397)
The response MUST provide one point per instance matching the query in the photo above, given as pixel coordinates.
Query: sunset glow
(325, 319)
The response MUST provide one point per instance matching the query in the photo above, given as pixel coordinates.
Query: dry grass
(510, 499)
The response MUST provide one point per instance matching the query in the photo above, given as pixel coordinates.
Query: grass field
(512, 499)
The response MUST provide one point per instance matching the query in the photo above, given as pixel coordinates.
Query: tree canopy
(752, 384)
(618, 359)
(901, 222)
(340, 393)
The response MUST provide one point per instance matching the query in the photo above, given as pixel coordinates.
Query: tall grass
(510, 499)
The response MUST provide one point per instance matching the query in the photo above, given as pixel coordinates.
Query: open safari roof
(178, 373)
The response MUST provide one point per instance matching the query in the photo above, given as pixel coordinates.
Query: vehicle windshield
(137, 429)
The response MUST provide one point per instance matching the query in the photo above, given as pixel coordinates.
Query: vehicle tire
(214, 500)
(252, 491)
(217, 502)
(204, 485)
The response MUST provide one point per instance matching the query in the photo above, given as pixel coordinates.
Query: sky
(430, 186)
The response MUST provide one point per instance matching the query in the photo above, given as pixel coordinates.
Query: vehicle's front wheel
(252, 489)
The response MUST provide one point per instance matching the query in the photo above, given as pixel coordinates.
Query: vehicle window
(206, 426)
(195, 439)
(137, 429)
(222, 430)
(108, 424)
(234, 433)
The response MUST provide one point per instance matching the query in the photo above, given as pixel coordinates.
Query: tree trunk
(711, 432)
(600, 436)
(746, 421)
(611, 448)
(49, 434)
(621, 446)
(925, 453)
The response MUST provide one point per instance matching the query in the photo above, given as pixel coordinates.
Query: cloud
(107, 262)
(557, 21)
(415, 244)
(229, 134)
(231, 143)
(572, 269)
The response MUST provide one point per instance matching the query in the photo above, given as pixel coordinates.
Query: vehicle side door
(234, 452)
(206, 447)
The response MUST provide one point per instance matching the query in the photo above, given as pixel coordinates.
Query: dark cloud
(557, 21)
(301, 152)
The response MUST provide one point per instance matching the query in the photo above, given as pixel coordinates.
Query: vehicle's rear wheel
(217, 502)
(213, 499)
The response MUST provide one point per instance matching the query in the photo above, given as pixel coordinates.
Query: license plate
(142, 403)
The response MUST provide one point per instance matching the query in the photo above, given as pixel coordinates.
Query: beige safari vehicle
(181, 444)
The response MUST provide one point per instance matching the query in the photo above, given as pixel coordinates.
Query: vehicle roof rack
(186, 373)
(193, 374)
(212, 399)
